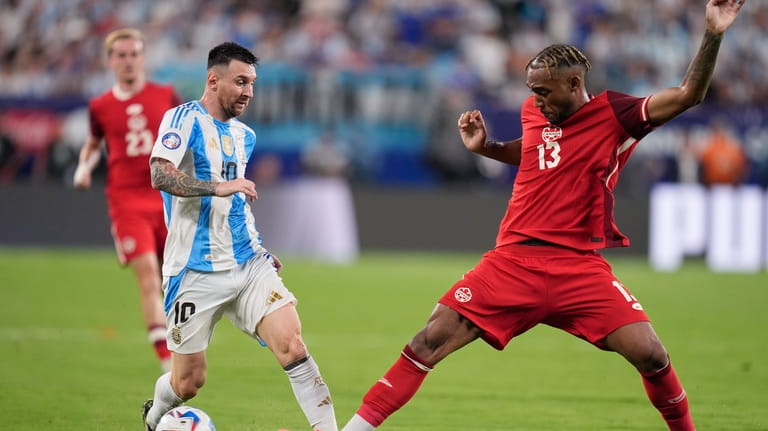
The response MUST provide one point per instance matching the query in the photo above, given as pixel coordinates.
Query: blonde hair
(122, 33)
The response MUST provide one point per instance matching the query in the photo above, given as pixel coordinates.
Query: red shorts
(513, 289)
(136, 233)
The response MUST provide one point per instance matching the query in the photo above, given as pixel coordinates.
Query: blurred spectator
(31, 133)
(723, 160)
(326, 157)
(267, 169)
(311, 216)
(688, 165)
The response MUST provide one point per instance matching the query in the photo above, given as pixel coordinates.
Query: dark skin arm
(662, 106)
(475, 139)
(671, 102)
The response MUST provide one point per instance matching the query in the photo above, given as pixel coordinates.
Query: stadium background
(386, 79)
(381, 82)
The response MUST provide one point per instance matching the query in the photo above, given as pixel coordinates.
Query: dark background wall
(417, 219)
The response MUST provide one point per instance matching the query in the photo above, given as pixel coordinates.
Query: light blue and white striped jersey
(207, 233)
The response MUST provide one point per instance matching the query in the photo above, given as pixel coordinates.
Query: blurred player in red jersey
(545, 267)
(127, 117)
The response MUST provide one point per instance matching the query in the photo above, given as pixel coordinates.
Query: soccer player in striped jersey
(126, 117)
(545, 267)
(214, 262)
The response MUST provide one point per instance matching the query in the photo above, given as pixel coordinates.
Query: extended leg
(446, 332)
(638, 343)
(281, 330)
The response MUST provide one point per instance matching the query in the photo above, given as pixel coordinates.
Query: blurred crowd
(470, 49)
(54, 48)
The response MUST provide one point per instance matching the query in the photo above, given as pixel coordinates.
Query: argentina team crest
(551, 134)
(176, 335)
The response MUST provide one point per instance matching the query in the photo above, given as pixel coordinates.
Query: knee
(650, 358)
(640, 345)
(296, 348)
(290, 350)
(434, 343)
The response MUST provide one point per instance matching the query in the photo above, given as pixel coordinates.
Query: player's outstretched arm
(669, 103)
(475, 138)
(89, 157)
(166, 177)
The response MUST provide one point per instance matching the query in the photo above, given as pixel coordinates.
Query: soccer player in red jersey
(545, 267)
(127, 118)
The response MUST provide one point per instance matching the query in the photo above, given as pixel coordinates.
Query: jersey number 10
(228, 170)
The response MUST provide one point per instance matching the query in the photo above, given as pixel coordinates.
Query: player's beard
(232, 110)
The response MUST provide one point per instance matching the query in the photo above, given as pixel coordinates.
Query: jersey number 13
(549, 155)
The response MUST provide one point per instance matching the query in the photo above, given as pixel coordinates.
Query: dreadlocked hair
(554, 57)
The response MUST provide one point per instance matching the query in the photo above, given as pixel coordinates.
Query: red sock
(157, 338)
(668, 396)
(393, 390)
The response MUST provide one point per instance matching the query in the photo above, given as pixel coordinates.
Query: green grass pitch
(75, 355)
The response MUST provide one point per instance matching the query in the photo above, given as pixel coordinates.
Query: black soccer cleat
(144, 411)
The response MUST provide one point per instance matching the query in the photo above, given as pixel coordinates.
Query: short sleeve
(172, 136)
(632, 113)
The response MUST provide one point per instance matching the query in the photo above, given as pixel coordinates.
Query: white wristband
(80, 172)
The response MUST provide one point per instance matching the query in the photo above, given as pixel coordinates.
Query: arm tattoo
(699, 74)
(167, 178)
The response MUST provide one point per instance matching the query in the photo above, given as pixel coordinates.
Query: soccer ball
(185, 418)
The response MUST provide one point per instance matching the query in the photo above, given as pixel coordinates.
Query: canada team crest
(463, 294)
(551, 134)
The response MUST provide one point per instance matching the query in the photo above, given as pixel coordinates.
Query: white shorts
(195, 301)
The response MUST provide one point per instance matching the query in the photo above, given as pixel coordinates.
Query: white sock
(313, 395)
(357, 423)
(163, 401)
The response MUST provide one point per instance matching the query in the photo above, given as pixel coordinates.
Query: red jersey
(563, 192)
(129, 127)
